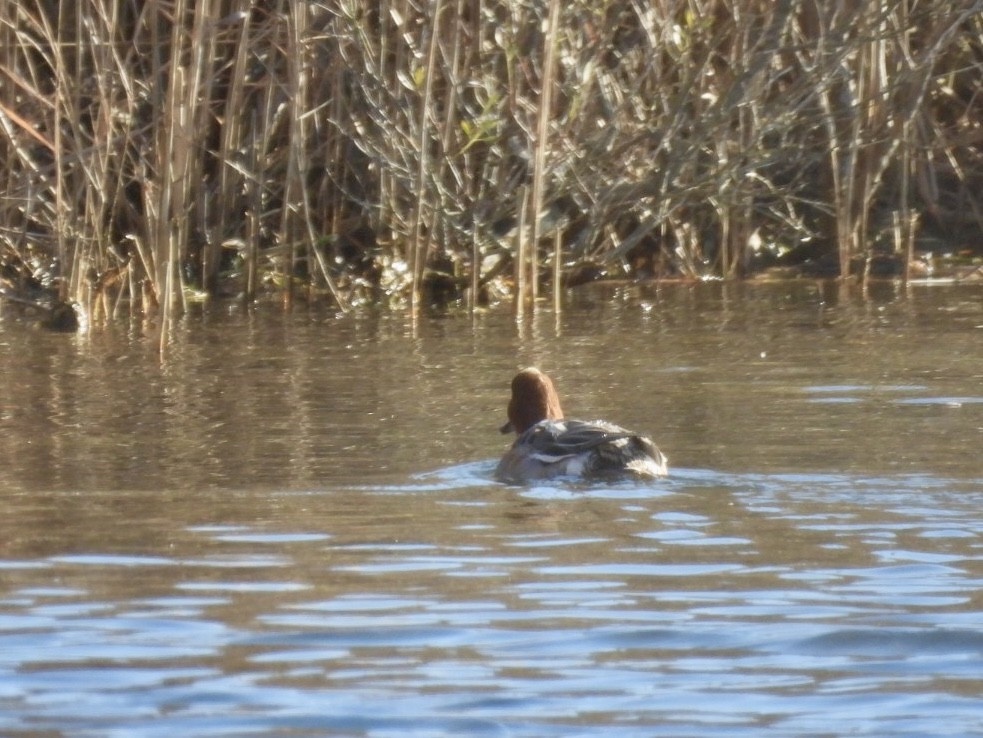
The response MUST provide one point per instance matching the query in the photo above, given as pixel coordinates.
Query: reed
(402, 153)
(541, 147)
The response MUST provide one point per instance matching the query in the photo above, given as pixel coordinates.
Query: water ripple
(713, 605)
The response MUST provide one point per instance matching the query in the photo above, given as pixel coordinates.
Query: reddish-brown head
(533, 399)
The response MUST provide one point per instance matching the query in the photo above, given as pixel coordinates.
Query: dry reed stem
(421, 231)
(365, 137)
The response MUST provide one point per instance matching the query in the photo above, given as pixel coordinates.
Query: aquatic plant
(402, 153)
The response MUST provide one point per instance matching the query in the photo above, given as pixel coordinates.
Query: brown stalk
(421, 231)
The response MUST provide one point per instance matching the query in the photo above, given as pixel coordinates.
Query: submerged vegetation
(398, 152)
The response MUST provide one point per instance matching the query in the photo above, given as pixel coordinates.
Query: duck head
(534, 399)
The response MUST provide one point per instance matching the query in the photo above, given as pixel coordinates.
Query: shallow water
(288, 528)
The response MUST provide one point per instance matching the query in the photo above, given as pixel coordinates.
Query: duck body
(549, 446)
(578, 448)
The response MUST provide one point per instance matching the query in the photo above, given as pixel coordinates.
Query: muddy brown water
(289, 527)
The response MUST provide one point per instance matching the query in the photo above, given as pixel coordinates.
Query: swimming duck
(548, 445)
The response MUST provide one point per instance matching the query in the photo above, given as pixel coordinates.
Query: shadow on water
(292, 530)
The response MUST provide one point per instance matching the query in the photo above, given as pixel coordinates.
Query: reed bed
(405, 152)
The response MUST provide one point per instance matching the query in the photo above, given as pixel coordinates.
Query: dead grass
(400, 153)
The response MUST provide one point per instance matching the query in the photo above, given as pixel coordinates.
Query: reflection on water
(290, 528)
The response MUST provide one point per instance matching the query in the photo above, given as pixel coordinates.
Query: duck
(548, 445)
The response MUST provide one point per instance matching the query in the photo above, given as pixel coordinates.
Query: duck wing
(562, 438)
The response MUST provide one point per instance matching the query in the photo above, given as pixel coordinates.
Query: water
(289, 528)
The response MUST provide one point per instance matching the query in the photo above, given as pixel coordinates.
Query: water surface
(288, 527)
